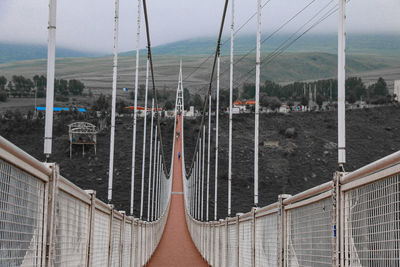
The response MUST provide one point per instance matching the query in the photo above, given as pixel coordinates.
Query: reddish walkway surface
(176, 247)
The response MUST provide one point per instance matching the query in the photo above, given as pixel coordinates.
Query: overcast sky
(88, 24)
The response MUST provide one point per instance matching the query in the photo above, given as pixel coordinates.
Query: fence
(353, 220)
(45, 220)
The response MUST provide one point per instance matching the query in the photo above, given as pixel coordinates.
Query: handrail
(20, 154)
(372, 167)
(309, 193)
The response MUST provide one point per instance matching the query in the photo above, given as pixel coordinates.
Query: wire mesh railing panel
(309, 235)
(232, 245)
(222, 245)
(372, 224)
(21, 217)
(116, 242)
(126, 254)
(245, 243)
(134, 243)
(72, 231)
(216, 247)
(266, 240)
(101, 238)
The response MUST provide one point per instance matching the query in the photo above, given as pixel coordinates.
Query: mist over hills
(372, 44)
(376, 44)
(16, 51)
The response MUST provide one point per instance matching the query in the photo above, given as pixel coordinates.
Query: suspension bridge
(45, 220)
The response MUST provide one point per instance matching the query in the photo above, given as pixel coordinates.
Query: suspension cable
(284, 46)
(166, 172)
(226, 41)
(210, 84)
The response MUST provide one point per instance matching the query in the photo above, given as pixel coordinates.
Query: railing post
(337, 221)
(238, 237)
(92, 210)
(50, 218)
(132, 252)
(226, 243)
(122, 238)
(253, 238)
(282, 240)
(110, 242)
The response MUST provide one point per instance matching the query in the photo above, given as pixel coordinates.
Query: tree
(168, 105)
(3, 82)
(197, 102)
(186, 96)
(271, 101)
(248, 91)
(76, 87)
(61, 87)
(320, 100)
(3, 96)
(355, 89)
(380, 88)
(304, 101)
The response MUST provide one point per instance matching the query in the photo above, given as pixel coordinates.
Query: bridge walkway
(176, 247)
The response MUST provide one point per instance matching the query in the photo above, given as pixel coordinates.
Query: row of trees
(20, 86)
(324, 89)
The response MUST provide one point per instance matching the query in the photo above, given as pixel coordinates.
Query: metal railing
(45, 220)
(353, 220)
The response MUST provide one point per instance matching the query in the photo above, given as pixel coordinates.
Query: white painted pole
(208, 157)
(144, 138)
(150, 159)
(51, 63)
(135, 108)
(157, 184)
(198, 183)
(342, 84)
(114, 101)
(257, 110)
(216, 142)
(154, 173)
(230, 113)
(203, 151)
(195, 188)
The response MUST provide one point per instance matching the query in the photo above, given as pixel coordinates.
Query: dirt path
(176, 247)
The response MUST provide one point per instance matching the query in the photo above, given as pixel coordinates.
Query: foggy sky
(88, 24)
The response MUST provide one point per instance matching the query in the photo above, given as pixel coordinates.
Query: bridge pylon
(179, 92)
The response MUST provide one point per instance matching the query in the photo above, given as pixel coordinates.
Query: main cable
(226, 41)
(166, 172)
(210, 84)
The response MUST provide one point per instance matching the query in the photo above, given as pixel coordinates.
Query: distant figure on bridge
(179, 155)
(177, 135)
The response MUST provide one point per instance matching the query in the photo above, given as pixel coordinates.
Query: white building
(397, 90)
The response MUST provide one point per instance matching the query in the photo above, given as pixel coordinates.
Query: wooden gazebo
(82, 133)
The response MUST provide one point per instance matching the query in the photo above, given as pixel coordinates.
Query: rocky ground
(297, 151)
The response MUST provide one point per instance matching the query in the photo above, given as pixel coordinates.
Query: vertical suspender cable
(195, 187)
(51, 62)
(230, 113)
(257, 109)
(216, 141)
(144, 139)
(135, 109)
(160, 171)
(155, 171)
(150, 160)
(208, 157)
(114, 101)
(341, 84)
(203, 151)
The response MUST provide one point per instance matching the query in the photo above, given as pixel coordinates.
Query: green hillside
(15, 52)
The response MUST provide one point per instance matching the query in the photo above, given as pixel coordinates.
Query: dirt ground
(289, 163)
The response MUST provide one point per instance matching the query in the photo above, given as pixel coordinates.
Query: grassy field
(96, 73)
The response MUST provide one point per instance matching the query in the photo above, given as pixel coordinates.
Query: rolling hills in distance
(311, 57)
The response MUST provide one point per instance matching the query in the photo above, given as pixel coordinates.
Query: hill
(373, 44)
(14, 52)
